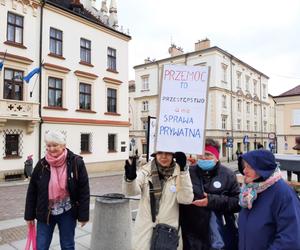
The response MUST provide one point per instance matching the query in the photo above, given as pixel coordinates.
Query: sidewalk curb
(91, 175)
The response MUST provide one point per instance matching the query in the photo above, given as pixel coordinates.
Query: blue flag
(1, 65)
(31, 74)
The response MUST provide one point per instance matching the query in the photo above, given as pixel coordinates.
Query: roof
(203, 51)
(66, 5)
(291, 92)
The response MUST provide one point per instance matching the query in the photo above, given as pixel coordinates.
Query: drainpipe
(40, 78)
(275, 128)
(261, 112)
(231, 105)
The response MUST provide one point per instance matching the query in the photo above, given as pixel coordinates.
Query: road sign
(229, 145)
(271, 136)
(271, 145)
(246, 139)
(230, 139)
(132, 142)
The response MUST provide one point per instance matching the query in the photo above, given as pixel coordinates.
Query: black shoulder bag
(164, 237)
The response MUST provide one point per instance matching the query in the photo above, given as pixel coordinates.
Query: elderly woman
(169, 183)
(58, 193)
(270, 215)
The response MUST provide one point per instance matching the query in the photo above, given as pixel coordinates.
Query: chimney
(175, 51)
(202, 44)
(147, 60)
(76, 6)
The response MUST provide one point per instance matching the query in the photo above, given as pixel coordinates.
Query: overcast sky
(263, 33)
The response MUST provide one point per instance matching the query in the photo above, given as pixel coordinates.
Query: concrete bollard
(112, 223)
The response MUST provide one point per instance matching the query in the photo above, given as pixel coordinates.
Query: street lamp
(254, 141)
(227, 146)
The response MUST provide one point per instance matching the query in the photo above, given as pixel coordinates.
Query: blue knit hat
(262, 161)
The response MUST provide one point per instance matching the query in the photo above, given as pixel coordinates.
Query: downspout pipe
(40, 78)
(231, 105)
(261, 111)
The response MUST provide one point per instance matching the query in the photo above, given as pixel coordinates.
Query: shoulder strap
(152, 201)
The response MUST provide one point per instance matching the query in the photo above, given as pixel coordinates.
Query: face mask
(206, 165)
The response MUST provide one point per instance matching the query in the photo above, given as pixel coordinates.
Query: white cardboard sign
(182, 111)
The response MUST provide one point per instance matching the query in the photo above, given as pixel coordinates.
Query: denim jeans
(66, 226)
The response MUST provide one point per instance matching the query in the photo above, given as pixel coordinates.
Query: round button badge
(173, 188)
(217, 184)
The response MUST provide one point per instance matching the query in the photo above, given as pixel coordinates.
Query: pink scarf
(58, 178)
(250, 191)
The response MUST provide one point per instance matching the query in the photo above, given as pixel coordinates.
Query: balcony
(19, 110)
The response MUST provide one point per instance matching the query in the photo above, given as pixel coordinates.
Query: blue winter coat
(273, 223)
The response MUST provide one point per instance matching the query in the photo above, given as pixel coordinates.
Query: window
(224, 101)
(265, 126)
(264, 91)
(111, 100)
(255, 109)
(248, 125)
(55, 41)
(248, 107)
(145, 82)
(85, 96)
(239, 80)
(11, 144)
(85, 50)
(296, 116)
(112, 143)
(255, 87)
(13, 84)
(111, 59)
(224, 72)
(145, 124)
(85, 143)
(54, 92)
(247, 83)
(239, 124)
(224, 122)
(15, 28)
(145, 106)
(255, 126)
(239, 105)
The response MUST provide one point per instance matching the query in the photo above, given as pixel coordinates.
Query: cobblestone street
(13, 195)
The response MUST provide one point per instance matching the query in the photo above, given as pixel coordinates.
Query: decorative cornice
(54, 67)
(48, 119)
(15, 58)
(112, 81)
(85, 74)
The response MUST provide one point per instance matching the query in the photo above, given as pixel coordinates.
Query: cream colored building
(82, 88)
(238, 97)
(287, 119)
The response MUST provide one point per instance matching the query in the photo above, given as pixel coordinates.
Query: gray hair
(56, 137)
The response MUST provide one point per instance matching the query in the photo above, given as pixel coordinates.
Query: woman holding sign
(209, 222)
(162, 183)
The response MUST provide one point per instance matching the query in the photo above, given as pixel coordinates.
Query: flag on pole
(31, 74)
(2, 62)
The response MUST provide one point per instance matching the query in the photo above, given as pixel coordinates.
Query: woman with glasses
(58, 193)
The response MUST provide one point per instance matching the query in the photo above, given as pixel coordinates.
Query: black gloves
(130, 169)
(180, 159)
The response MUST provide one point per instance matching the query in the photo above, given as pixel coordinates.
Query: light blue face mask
(206, 165)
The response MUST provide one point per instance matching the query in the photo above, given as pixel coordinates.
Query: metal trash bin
(112, 222)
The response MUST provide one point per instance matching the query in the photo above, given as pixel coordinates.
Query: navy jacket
(273, 223)
(77, 184)
(223, 191)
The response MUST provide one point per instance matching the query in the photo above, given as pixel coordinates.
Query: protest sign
(182, 110)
